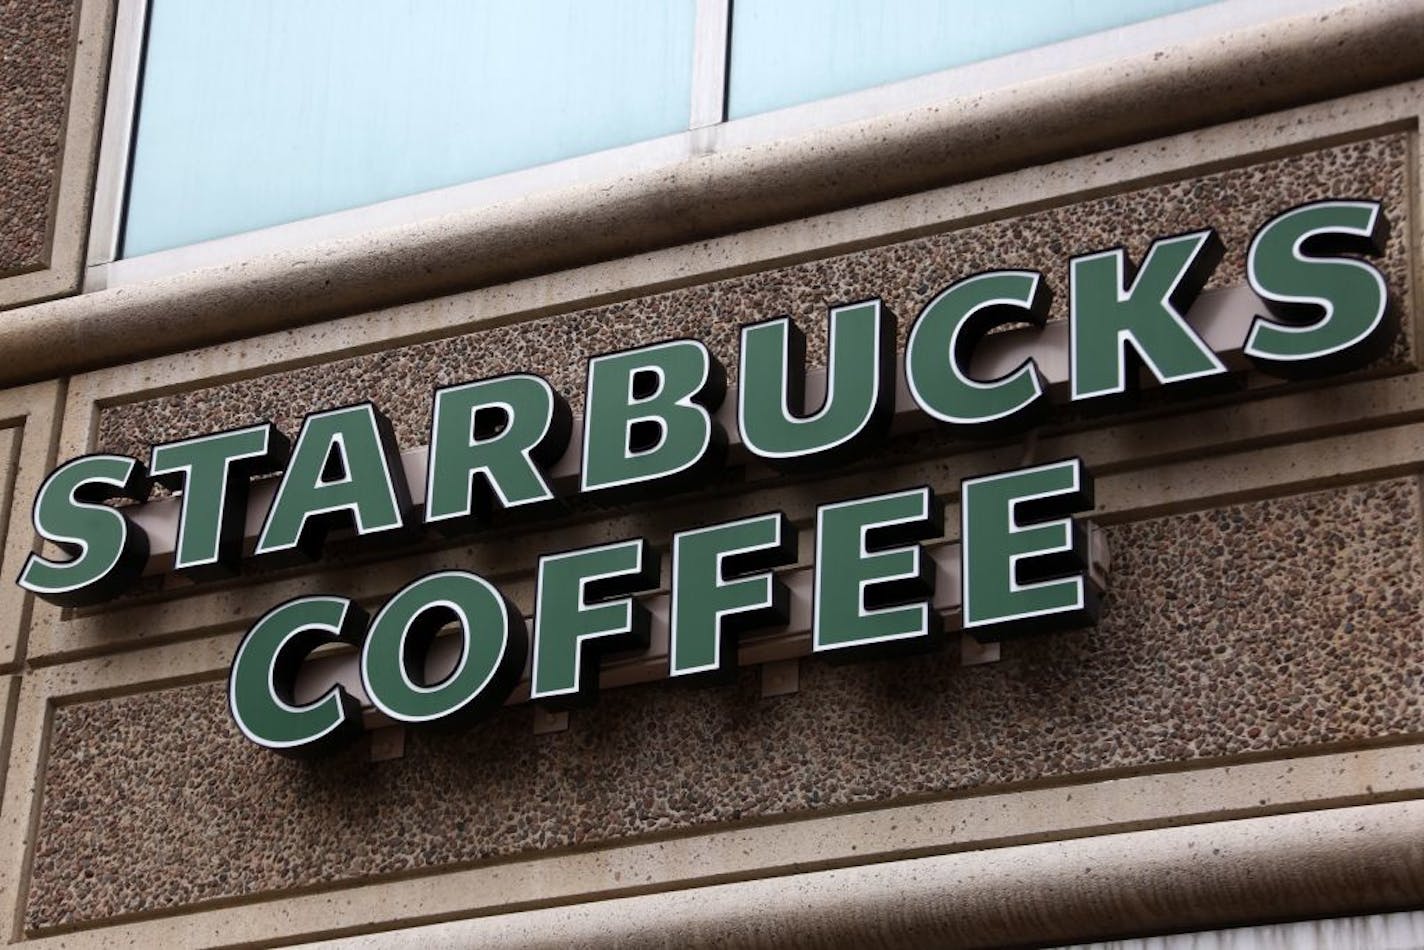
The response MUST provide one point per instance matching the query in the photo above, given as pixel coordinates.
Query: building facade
(1233, 740)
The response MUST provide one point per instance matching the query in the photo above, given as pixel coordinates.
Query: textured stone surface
(905, 275)
(1292, 867)
(1269, 626)
(36, 39)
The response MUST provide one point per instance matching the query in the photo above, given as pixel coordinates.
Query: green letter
(493, 646)
(647, 416)
(860, 388)
(262, 684)
(1014, 572)
(1112, 308)
(213, 473)
(345, 469)
(581, 606)
(942, 342)
(107, 551)
(500, 431)
(1333, 311)
(722, 585)
(872, 581)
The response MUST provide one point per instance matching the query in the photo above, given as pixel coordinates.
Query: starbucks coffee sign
(651, 424)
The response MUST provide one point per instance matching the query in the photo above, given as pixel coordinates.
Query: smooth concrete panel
(1303, 865)
(29, 418)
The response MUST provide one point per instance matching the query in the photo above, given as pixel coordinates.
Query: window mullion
(710, 55)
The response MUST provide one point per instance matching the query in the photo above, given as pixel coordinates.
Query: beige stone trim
(28, 433)
(10, 439)
(1302, 865)
(1271, 66)
(69, 218)
(9, 698)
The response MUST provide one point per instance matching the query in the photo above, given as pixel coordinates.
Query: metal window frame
(709, 130)
(711, 57)
(116, 143)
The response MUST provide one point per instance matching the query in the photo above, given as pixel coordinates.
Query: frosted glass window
(258, 112)
(786, 52)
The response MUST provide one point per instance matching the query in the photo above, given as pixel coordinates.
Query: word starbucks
(649, 426)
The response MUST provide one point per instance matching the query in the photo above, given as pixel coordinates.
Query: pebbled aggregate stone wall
(1270, 627)
(36, 47)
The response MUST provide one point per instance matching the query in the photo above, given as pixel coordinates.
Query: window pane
(258, 112)
(786, 52)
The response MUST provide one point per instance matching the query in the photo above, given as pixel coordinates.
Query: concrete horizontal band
(1264, 68)
(1308, 864)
